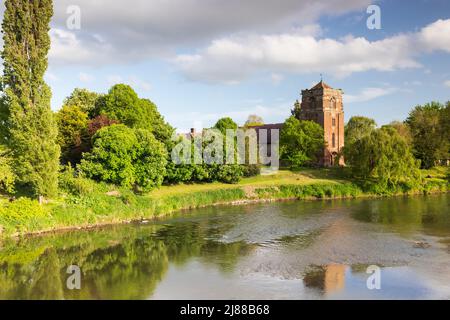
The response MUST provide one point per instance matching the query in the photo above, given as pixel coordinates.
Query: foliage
(251, 170)
(357, 128)
(297, 109)
(31, 128)
(71, 184)
(72, 133)
(301, 142)
(150, 162)
(98, 123)
(21, 214)
(430, 138)
(123, 104)
(7, 177)
(254, 121)
(126, 157)
(383, 159)
(403, 130)
(225, 124)
(227, 173)
(83, 99)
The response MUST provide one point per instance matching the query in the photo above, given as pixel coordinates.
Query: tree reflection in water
(124, 262)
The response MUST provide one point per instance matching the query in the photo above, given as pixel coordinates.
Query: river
(285, 250)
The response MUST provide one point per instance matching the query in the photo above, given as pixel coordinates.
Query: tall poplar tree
(32, 130)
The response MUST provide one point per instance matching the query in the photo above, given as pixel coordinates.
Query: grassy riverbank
(88, 204)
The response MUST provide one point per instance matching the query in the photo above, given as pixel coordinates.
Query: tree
(227, 173)
(32, 130)
(126, 157)
(124, 105)
(7, 176)
(150, 162)
(98, 123)
(403, 130)
(384, 158)
(301, 142)
(225, 124)
(254, 121)
(73, 135)
(297, 109)
(357, 128)
(84, 99)
(429, 136)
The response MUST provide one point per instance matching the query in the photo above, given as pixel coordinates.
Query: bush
(251, 170)
(229, 173)
(73, 185)
(126, 157)
(21, 213)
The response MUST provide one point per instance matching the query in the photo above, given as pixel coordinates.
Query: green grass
(87, 203)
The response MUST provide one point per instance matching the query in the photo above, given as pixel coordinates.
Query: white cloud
(85, 77)
(112, 32)
(276, 78)
(368, 94)
(447, 83)
(235, 58)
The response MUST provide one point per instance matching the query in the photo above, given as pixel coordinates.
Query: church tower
(323, 105)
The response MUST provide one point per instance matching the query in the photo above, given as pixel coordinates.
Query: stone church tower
(323, 104)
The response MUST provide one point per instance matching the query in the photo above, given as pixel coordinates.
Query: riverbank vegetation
(106, 157)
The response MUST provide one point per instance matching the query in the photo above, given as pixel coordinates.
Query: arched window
(333, 139)
(333, 103)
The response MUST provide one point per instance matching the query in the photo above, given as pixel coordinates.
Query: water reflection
(118, 263)
(261, 251)
(328, 279)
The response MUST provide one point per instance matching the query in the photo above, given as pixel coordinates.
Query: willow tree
(31, 128)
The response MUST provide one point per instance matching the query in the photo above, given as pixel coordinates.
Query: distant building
(323, 105)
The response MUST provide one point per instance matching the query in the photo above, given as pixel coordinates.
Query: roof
(321, 85)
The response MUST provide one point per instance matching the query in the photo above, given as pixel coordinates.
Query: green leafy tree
(126, 157)
(84, 99)
(7, 176)
(429, 135)
(384, 158)
(254, 121)
(32, 131)
(301, 142)
(403, 130)
(124, 105)
(225, 124)
(297, 109)
(357, 128)
(73, 135)
(150, 162)
(227, 173)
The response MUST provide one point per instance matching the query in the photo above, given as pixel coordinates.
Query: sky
(200, 60)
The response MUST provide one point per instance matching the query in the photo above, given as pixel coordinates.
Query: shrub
(251, 170)
(21, 213)
(229, 173)
(73, 185)
(126, 157)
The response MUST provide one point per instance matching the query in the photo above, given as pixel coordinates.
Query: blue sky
(200, 60)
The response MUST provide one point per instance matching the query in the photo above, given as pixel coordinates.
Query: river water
(286, 250)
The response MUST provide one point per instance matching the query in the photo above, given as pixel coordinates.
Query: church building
(323, 105)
